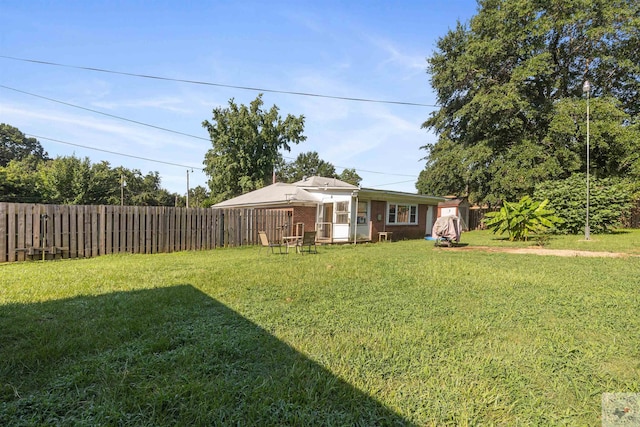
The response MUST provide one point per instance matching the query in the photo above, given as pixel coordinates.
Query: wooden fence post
(3, 231)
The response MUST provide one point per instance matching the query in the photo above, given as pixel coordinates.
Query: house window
(362, 212)
(402, 214)
(342, 212)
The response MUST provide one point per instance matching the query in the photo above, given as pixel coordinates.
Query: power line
(177, 164)
(255, 89)
(108, 151)
(154, 127)
(394, 183)
(181, 165)
(105, 114)
(379, 173)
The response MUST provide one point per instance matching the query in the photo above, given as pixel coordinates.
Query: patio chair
(265, 243)
(308, 241)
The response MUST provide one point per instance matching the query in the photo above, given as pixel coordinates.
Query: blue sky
(358, 49)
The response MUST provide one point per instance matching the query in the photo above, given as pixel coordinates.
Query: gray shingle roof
(282, 194)
(322, 182)
(277, 194)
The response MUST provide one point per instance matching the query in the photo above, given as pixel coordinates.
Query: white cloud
(87, 130)
(413, 63)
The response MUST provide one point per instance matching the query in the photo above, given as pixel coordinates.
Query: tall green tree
(512, 110)
(307, 164)
(20, 181)
(137, 189)
(246, 146)
(65, 180)
(199, 197)
(310, 164)
(146, 190)
(14, 145)
(103, 186)
(350, 175)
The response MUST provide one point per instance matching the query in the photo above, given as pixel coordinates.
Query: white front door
(430, 218)
(362, 221)
(341, 221)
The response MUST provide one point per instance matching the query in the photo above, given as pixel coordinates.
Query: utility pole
(122, 184)
(188, 186)
(586, 87)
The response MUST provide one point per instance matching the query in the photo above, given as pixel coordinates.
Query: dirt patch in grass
(543, 251)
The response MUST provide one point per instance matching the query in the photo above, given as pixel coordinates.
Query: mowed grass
(379, 334)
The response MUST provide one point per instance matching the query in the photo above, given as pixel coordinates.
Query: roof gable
(324, 183)
(279, 193)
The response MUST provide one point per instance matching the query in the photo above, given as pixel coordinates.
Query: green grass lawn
(378, 334)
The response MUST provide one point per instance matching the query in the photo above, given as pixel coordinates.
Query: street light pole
(586, 87)
(122, 184)
(187, 188)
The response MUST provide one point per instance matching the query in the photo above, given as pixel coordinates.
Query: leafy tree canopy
(246, 142)
(19, 181)
(310, 164)
(199, 197)
(71, 180)
(14, 145)
(307, 164)
(351, 176)
(512, 109)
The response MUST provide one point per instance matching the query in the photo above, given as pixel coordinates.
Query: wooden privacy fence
(34, 231)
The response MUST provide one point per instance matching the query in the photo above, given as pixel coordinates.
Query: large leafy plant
(520, 219)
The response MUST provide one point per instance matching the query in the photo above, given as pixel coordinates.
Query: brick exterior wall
(400, 232)
(305, 215)
(378, 210)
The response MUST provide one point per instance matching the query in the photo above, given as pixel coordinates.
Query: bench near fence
(35, 231)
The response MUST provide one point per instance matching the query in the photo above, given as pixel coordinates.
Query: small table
(385, 234)
(290, 241)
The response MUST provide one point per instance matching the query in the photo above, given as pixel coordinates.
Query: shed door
(449, 211)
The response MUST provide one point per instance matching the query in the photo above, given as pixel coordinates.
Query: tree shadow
(166, 356)
(617, 231)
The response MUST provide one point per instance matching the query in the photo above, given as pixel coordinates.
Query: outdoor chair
(308, 241)
(264, 243)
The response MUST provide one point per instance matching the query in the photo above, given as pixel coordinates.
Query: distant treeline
(28, 175)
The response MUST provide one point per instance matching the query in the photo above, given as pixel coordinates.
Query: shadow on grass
(167, 356)
(616, 231)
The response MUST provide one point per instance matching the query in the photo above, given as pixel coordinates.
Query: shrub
(610, 200)
(522, 218)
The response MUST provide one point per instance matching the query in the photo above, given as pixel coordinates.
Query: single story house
(342, 213)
